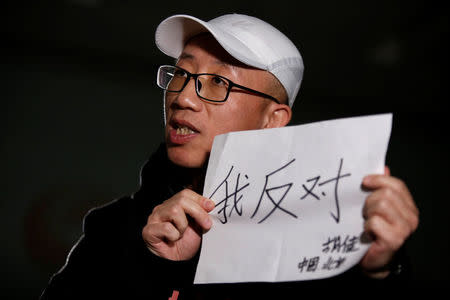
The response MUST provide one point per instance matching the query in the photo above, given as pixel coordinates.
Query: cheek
(167, 103)
(237, 119)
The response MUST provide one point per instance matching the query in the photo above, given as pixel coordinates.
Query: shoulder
(128, 210)
(109, 215)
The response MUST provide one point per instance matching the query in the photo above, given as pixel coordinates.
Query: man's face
(193, 123)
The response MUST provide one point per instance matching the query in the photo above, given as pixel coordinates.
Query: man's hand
(175, 227)
(391, 217)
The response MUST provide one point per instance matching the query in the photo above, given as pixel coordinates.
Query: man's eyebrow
(225, 64)
(185, 55)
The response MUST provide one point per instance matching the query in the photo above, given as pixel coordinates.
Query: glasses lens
(171, 79)
(212, 87)
(209, 86)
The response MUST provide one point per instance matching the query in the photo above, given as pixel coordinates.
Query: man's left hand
(391, 216)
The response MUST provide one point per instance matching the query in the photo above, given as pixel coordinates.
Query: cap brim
(174, 32)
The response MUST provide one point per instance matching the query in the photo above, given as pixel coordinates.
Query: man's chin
(187, 158)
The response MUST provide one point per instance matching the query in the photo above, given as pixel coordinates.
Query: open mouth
(183, 127)
(184, 130)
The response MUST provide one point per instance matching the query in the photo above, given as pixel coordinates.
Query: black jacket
(111, 261)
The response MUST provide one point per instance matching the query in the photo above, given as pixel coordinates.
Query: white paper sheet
(289, 200)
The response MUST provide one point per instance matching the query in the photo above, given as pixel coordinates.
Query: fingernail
(208, 221)
(209, 204)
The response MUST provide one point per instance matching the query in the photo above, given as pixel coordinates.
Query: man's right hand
(175, 227)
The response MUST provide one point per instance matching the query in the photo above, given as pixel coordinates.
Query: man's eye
(179, 73)
(219, 81)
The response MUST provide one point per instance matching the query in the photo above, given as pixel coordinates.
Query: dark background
(80, 110)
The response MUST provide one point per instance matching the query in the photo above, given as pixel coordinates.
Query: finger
(389, 204)
(198, 213)
(171, 212)
(380, 253)
(205, 203)
(383, 181)
(176, 208)
(387, 237)
(208, 204)
(160, 232)
(185, 202)
(197, 207)
(375, 181)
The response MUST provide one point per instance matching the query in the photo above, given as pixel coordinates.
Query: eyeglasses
(210, 87)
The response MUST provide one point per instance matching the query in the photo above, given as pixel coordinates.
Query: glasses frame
(231, 84)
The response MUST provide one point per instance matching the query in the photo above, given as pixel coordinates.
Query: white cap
(248, 39)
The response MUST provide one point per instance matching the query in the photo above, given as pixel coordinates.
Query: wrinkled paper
(289, 200)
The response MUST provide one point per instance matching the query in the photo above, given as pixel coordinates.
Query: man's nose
(188, 98)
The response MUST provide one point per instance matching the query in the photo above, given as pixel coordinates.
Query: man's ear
(278, 115)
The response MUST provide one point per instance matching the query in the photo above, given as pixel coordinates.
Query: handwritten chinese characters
(223, 204)
(234, 192)
(337, 247)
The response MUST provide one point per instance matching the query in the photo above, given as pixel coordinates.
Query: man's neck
(191, 178)
(198, 180)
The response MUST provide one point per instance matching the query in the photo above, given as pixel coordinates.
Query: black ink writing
(336, 179)
(315, 180)
(310, 191)
(267, 191)
(308, 264)
(236, 199)
(338, 245)
(272, 195)
(333, 263)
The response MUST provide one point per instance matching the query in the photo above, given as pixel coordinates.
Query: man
(232, 73)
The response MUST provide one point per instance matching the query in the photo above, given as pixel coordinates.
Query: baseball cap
(248, 39)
